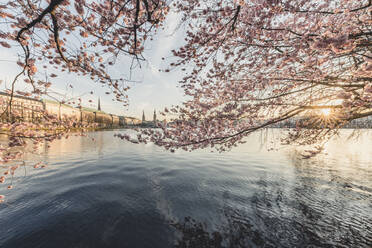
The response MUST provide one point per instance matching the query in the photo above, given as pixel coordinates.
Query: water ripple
(114, 194)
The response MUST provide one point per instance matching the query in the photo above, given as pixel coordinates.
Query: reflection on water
(99, 191)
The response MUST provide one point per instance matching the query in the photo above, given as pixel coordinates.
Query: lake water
(109, 193)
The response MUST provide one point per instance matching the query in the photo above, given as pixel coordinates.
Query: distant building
(62, 111)
(151, 123)
(32, 110)
(23, 108)
(154, 118)
(165, 122)
(143, 117)
(127, 120)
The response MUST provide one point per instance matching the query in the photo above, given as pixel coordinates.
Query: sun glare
(326, 111)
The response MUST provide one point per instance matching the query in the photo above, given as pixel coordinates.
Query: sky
(153, 90)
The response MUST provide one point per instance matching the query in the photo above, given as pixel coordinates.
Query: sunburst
(326, 112)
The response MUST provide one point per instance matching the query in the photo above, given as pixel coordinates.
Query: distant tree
(252, 64)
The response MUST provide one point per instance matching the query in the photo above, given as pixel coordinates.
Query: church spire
(143, 116)
(99, 104)
(154, 119)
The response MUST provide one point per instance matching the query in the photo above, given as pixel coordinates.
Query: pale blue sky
(155, 90)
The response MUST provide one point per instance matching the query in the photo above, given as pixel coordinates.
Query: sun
(326, 111)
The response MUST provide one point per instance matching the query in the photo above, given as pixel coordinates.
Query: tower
(99, 104)
(143, 117)
(154, 119)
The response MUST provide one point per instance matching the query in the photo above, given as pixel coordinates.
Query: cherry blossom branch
(51, 7)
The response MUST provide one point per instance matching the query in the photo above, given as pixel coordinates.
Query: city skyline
(42, 101)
